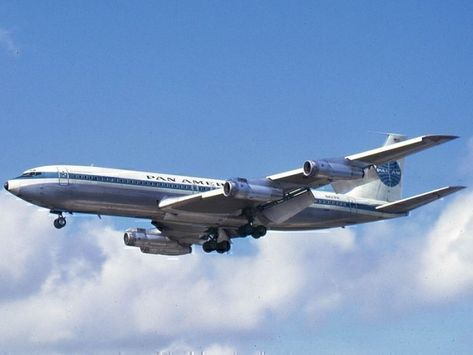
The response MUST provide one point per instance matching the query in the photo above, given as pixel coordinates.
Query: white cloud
(178, 348)
(86, 282)
(6, 41)
(447, 262)
(81, 288)
(217, 349)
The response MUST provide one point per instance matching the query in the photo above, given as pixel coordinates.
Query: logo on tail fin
(389, 173)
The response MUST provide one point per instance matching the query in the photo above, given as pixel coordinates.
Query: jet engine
(332, 170)
(151, 241)
(242, 189)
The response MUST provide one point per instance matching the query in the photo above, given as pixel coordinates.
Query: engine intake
(332, 170)
(240, 188)
(151, 241)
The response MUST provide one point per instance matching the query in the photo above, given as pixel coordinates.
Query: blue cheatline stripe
(345, 204)
(122, 181)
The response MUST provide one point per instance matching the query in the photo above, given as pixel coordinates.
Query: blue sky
(244, 89)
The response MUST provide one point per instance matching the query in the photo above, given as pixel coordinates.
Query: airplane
(188, 211)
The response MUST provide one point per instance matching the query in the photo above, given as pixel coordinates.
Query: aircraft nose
(5, 185)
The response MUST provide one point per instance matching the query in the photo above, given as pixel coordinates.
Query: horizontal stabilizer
(408, 204)
(399, 150)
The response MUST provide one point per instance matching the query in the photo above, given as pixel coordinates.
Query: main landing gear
(255, 231)
(60, 221)
(218, 241)
(220, 247)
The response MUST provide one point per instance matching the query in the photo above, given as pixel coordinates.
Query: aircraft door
(353, 206)
(63, 176)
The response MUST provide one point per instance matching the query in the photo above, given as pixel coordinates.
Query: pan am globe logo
(389, 173)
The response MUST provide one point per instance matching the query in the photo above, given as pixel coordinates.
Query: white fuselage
(102, 191)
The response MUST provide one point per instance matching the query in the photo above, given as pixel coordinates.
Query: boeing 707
(188, 211)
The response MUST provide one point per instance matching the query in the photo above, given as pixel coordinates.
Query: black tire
(61, 222)
(259, 231)
(246, 230)
(223, 247)
(209, 246)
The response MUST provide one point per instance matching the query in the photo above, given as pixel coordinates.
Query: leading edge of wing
(213, 201)
(399, 150)
(176, 202)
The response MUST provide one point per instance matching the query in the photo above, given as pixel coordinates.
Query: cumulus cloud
(178, 348)
(6, 41)
(81, 288)
(86, 282)
(447, 261)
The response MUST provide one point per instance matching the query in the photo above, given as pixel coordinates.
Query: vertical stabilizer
(381, 182)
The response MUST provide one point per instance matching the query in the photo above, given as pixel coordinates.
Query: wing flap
(408, 204)
(281, 212)
(399, 150)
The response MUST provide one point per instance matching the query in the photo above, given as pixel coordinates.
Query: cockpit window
(30, 174)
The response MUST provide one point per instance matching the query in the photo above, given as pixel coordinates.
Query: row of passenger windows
(332, 202)
(165, 185)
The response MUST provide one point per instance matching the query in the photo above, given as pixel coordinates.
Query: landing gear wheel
(209, 246)
(223, 247)
(245, 230)
(60, 222)
(259, 231)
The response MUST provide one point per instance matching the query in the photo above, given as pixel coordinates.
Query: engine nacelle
(332, 170)
(153, 242)
(240, 188)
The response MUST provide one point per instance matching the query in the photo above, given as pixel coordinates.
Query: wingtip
(440, 138)
(453, 189)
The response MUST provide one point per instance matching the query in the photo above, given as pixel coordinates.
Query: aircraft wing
(298, 182)
(213, 201)
(408, 204)
(216, 202)
(399, 150)
(298, 177)
(184, 233)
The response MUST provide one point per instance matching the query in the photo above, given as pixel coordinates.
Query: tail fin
(381, 182)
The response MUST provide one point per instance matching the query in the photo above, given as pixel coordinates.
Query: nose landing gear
(60, 221)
